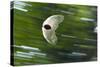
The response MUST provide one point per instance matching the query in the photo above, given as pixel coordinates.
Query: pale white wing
(49, 27)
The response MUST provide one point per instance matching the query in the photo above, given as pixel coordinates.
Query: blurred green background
(77, 36)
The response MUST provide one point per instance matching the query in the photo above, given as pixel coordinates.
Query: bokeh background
(77, 34)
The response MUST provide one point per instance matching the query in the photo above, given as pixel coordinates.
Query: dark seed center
(47, 27)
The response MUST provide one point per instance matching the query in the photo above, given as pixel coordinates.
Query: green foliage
(76, 37)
